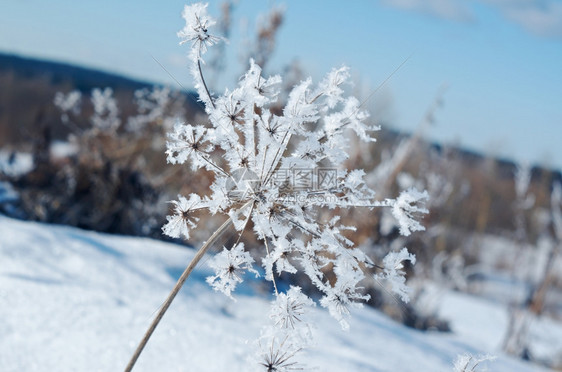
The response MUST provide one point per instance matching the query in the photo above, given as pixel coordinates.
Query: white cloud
(454, 10)
(540, 17)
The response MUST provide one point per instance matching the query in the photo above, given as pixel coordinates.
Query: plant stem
(200, 253)
(204, 83)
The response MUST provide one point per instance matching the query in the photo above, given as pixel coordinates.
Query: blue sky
(498, 62)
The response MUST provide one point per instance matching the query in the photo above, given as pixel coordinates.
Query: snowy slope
(72, 300)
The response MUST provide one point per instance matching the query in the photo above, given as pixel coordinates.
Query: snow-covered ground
(72, 300)
(15, 164)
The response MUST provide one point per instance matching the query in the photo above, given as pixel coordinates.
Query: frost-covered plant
(524, 200)
(152, 107)
(538, 275)
(556, 210)
(229, 266)
(515, 341)
(445, 270)
(268, 26)
(469, 363)
(273, 172)
(113, 148)
(393, 265)
(156, 111)
(68, 103)
(104, 120)
(106, 113)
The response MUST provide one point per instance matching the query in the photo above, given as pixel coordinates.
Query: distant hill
(29, 86)
(57, 73)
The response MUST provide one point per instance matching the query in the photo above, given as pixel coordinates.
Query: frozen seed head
(275, 171)
(229, 267)
(186, 143)
(289, 308)
(280, 356)
(196, 29)
(183, 220)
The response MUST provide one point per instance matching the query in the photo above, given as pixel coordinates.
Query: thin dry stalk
(200, 253)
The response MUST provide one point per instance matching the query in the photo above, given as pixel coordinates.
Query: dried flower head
(289, 308)
(279, 356)
(229, 265)
(279, 170)
(196, 29)
(183, 220)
